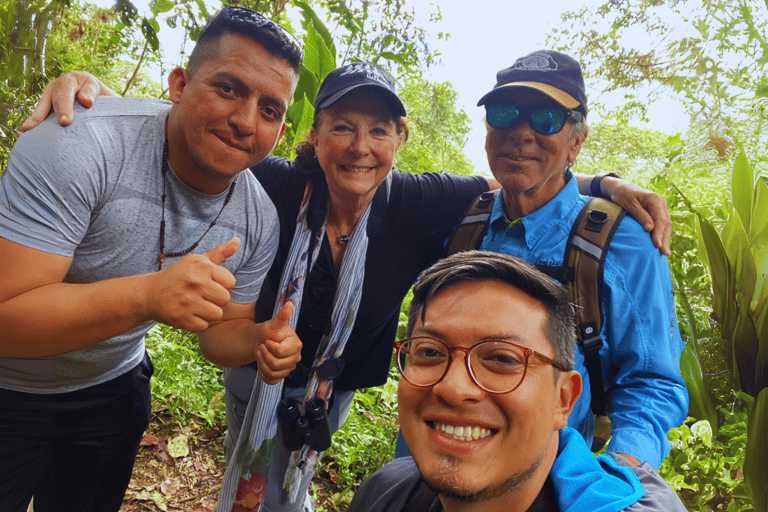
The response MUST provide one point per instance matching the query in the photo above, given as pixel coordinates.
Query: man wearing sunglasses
(487, 386)
(536, 125)
(135, 213)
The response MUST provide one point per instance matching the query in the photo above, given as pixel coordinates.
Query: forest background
(714, 174)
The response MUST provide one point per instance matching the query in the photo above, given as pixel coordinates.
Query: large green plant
(736, 256)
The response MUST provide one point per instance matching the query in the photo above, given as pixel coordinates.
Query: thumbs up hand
(280, 351)
(191, 293)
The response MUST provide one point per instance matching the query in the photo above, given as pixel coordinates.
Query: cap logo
(371, 72)
(536, 62)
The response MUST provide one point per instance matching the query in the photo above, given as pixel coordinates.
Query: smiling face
(530, 165)
(229, 114)
(355, 143)
(468, 443)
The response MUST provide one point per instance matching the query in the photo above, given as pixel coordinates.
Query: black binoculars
(310, 428)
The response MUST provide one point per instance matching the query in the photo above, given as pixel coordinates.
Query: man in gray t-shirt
(136, 213)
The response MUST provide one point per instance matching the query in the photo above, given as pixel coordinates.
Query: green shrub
(185, 383)
(706, 469)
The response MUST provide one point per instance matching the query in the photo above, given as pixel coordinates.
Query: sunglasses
(543, 120)
(248, 18)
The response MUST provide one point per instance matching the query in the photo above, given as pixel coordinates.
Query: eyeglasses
(544, 120)
(249, 18)
(495, 366)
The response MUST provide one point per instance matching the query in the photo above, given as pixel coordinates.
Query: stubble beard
(449, 487)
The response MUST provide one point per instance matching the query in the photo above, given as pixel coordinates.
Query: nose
(521, 131)
(457, 384)
(360, 145)
(244, 117)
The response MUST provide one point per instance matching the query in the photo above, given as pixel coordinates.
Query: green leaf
(160, 6)
(742, 186)
(758, 232)
(745, 347)
(304, 124)
(307, 86)
(150, 33)
(310, 16)
(395, 57)
(756, 457)
(724, 304)
(700, 406)
(761, 327)
(736, 244)
(761, 90)
(317, 57)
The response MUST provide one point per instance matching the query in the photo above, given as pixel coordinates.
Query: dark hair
(492, 266)
(249, 23)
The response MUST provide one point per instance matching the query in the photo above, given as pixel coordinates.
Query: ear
(575, 146)
(313, 137)
(177, 81)
(569, 387)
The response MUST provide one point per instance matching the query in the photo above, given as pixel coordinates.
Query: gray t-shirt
(92, 192)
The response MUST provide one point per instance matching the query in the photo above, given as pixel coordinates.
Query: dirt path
(180, 467)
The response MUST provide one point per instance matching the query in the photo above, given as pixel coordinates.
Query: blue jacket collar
(585, 482)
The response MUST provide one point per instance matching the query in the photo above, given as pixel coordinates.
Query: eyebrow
(514, 338)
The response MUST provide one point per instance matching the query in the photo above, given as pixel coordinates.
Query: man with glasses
(487, 386)
(136, 213)
(536, 125)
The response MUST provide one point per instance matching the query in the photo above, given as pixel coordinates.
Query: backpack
(581, 273)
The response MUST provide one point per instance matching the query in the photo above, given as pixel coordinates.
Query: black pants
(72, 451)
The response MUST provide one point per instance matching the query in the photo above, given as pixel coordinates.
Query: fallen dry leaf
(212, 433)
(149, 440)
(179, 446)
(161, 452)
(170, 486)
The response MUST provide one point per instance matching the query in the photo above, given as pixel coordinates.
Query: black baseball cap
(553, 73)
(353, 76)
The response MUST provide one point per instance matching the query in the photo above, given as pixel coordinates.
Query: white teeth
(463, 433)
(357, 169)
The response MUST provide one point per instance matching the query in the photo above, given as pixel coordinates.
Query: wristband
(594, 185)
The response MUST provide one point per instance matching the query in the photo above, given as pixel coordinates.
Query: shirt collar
(540, 223)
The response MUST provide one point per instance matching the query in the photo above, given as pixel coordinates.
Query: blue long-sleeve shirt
(641, 342)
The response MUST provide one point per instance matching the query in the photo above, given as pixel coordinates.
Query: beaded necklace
(163, 254)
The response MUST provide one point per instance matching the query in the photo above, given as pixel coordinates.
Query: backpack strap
(469, 232)
(585, 251)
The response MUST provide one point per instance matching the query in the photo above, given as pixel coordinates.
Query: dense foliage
(710, 55)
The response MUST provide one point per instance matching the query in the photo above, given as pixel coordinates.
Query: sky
(486, 36)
